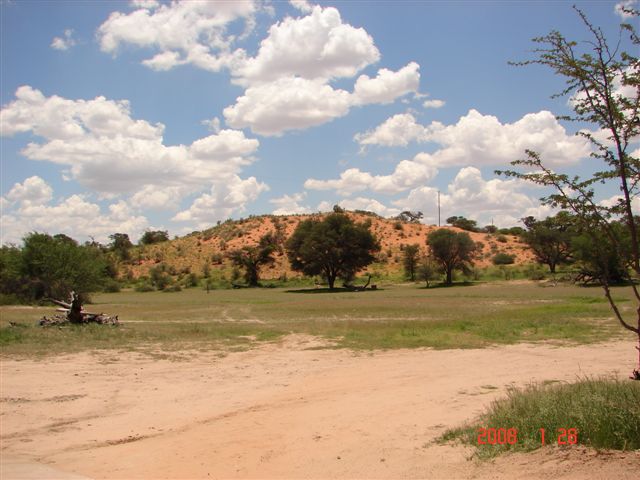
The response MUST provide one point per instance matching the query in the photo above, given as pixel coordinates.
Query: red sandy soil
(193, 251)
(284, 410)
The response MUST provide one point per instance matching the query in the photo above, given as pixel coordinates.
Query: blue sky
(126, 116)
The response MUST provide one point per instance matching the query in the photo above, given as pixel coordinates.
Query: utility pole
(438, 207)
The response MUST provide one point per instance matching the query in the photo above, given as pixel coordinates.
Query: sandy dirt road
(283, 411)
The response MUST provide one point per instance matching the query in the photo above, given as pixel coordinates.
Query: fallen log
(75, 314)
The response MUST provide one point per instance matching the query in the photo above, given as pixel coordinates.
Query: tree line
(50, 266)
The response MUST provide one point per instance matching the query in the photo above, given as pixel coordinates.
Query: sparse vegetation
(600, 413)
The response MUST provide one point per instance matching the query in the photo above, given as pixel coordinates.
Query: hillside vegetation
(205, 253)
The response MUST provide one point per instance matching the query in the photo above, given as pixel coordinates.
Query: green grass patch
(605, 414)
(394, 316)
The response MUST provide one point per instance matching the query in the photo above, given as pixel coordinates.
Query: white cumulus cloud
(181, 32)
(317, 46)
(33, 191)
(290, 204)
(287, 104)
(407, 174)
(397, 131)
(302, 5)
(472, 196)
(221, 202)
(107, 150)
(74, 216)
(478, 139)
(434, 103)
(65, 42)
(387, 85)
(102, 147)
(287, 81)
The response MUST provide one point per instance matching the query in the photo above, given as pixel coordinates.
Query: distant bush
(111, 286)
(159, 278)
(191, 280)
(503, 259)
(150, 237)
(511, 231)
(175, 287)
(501, 238)
(144, 287)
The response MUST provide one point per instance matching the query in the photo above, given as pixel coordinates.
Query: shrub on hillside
(503, 259)
(144, 287)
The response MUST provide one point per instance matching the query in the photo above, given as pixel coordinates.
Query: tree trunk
(75, 310)
(449, 280)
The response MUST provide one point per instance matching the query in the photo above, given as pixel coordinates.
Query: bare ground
(284, 410)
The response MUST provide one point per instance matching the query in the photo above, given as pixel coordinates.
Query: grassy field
(395, 316)
(600, 413)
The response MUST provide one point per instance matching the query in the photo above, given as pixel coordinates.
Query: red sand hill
(210, 247)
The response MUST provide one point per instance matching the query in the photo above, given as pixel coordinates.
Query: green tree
(154, 236)
(410, 260)
(410, 217)
(54, 266)
(550, 239)
(452, 250)
(12, 279)
(333, 247)
(252, 258)
(427, 270)
(159, 277)
(463, 223)
(598, 260)
(603, 85)
(121, 245)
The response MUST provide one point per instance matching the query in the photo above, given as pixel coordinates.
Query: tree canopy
(333, 247)
(154, 236)
(550, 239)
(252, 258)
(51, 266)
(452, 250)
(121, 245)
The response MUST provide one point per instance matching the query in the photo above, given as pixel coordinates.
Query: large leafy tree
(452, 250)
(121, 245)
(54, 266)
(333, 247)
(550, 239)
(603, 86)
(252, 258)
